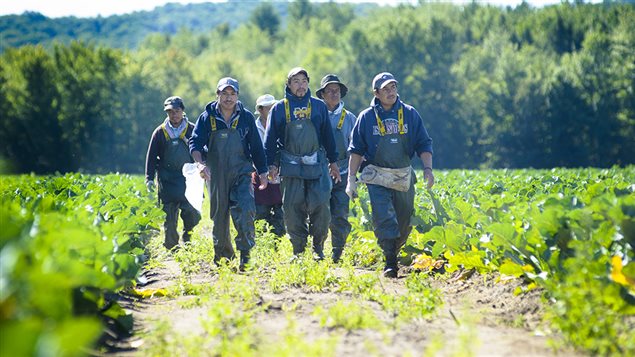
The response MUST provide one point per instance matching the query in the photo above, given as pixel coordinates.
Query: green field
(70, 244)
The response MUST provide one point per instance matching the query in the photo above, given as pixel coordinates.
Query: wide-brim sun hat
(328, 79)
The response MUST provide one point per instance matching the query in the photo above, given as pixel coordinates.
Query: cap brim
(168, 107)
(296, 72)
(265, 104)
(222, 88)
(387, 83)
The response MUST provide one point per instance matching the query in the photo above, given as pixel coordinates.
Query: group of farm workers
(297, 166)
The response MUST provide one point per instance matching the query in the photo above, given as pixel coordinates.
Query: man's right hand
(351, 187)
(150, 186)
(204, 171)
(273, 173)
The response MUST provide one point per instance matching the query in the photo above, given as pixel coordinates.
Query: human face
(298, 85)
(264, 112)
(332, 95)
(175, 115)
(387, 96)
(227, 98)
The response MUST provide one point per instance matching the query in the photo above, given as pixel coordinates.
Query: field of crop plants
(500, 262)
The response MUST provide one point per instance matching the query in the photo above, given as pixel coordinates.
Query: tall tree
(33, 132)
(266, 18)
(301, 10)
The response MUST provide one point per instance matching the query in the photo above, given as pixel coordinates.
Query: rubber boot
(337, 254)
(297, 250)
(390, 252)
(318, 249)
(244, 260)
(186, 236)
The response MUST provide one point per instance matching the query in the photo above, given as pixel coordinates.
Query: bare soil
(479, 317)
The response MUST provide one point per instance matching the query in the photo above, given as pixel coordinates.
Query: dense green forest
(128, 31)
(496, 87)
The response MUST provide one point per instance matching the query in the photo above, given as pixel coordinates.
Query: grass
(234, 301)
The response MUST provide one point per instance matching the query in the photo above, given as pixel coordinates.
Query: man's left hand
(429, 177)
(263, 181)
(334, 170)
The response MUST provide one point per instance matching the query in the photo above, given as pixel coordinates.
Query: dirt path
(478, 318)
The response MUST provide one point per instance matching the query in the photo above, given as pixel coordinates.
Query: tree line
(496, 87)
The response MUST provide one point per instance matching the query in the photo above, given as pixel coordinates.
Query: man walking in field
(301, 149)
(226, 146)
(385, 137)
(167, 153)
(331, 92)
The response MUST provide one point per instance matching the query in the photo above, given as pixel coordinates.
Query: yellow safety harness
(234, 123)
(167, 135)
(287, 111)
(341, 122)
(382, 128)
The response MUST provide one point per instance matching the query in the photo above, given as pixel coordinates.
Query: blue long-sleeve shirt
(277, 123)
(252, 145)
(365, 136)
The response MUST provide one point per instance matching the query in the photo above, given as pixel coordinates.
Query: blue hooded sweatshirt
(365, 135)
(252, 145)
(274, 137)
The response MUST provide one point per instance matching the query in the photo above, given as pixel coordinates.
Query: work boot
(391, 269)
(337, 254)
(390, 252)
(319, 252)
(297, 251)
(244, 260)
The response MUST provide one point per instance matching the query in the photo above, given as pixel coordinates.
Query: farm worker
(298, 142)
(331, 91)
(385, 137)
(167, 152)
(226, 146)
(269, 200)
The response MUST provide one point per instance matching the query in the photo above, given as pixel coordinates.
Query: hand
(204, 171)
(150, 186)
(273, 173)
(254, 177)
(335, 172)
(263, 181)
(351, 187)
(428, 176)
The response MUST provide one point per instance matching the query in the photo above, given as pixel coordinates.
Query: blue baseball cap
(227, 82)
(382, 79)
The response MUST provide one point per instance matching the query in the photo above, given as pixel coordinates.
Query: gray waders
(172, 192)
(339, 203)
(392, 209)
(305, 200)
(230, 191)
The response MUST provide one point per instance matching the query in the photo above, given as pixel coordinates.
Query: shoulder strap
(287, 111)
(341, 122)
(380, 124)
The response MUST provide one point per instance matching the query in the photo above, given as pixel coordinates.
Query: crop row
(67, 243)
